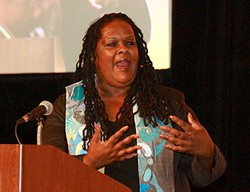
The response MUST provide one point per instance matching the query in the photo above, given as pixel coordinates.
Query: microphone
(44, 108)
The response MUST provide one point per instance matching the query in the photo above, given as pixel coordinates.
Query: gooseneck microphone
(44, 108)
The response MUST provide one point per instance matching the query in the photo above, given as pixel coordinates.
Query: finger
(126, 157)
(165, 128)
(97, 128)
(128, 153)
(174, 148)
(97, 134)
(129, 150)
(131, 155)
(175, 140)
(133, 149)
(171, 131)
(128, 140)
(184, 125)
(115, 137)
(194, 123)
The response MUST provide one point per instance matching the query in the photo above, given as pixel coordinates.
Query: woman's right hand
(102, 153)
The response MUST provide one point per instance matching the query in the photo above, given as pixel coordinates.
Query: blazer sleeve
(190, 165)
(202, 177)
(53, 132)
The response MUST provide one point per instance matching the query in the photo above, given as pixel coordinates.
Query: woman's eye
(111, 44)
(130, 43)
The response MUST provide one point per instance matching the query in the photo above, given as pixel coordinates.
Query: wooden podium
(44, 168)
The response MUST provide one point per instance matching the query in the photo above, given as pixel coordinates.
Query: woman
(120, 116)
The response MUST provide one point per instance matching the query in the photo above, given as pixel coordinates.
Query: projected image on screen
(39, 36)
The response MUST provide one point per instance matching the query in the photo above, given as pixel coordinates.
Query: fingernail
(190, 117)
(136, 136)
(164, 128)
(139, 147)
(164, 136)
(125, 128)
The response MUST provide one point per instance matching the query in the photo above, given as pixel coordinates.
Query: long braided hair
(143, 91)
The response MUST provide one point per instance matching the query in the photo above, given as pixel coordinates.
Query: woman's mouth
(123, 64)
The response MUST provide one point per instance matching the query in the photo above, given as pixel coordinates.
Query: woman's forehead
(117, 26)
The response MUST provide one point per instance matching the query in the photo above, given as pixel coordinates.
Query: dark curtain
(20, 93)
(210, 64)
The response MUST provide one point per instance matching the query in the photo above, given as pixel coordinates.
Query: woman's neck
(113, 100)
(106, 90)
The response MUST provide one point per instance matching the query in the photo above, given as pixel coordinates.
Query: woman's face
(116, 55)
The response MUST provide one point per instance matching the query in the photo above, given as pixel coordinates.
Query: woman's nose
(123, 49)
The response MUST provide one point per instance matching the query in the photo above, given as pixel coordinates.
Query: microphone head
(49, 107)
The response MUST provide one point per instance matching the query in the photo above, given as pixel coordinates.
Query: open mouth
(123, 64)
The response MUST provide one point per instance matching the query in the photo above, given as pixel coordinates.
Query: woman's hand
(194, 140)
(104, 153)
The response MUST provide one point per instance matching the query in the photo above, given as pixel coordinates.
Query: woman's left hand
(193, 140)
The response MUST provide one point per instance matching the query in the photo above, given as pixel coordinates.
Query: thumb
(97, 134)
(194, 122)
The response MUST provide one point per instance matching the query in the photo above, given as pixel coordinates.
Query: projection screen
(44, 36)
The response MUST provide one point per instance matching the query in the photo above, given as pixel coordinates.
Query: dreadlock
(143, 91)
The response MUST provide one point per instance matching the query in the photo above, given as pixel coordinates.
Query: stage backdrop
(39, 36)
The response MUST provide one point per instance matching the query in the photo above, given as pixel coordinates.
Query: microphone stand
(40, 123)
(17, 138)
